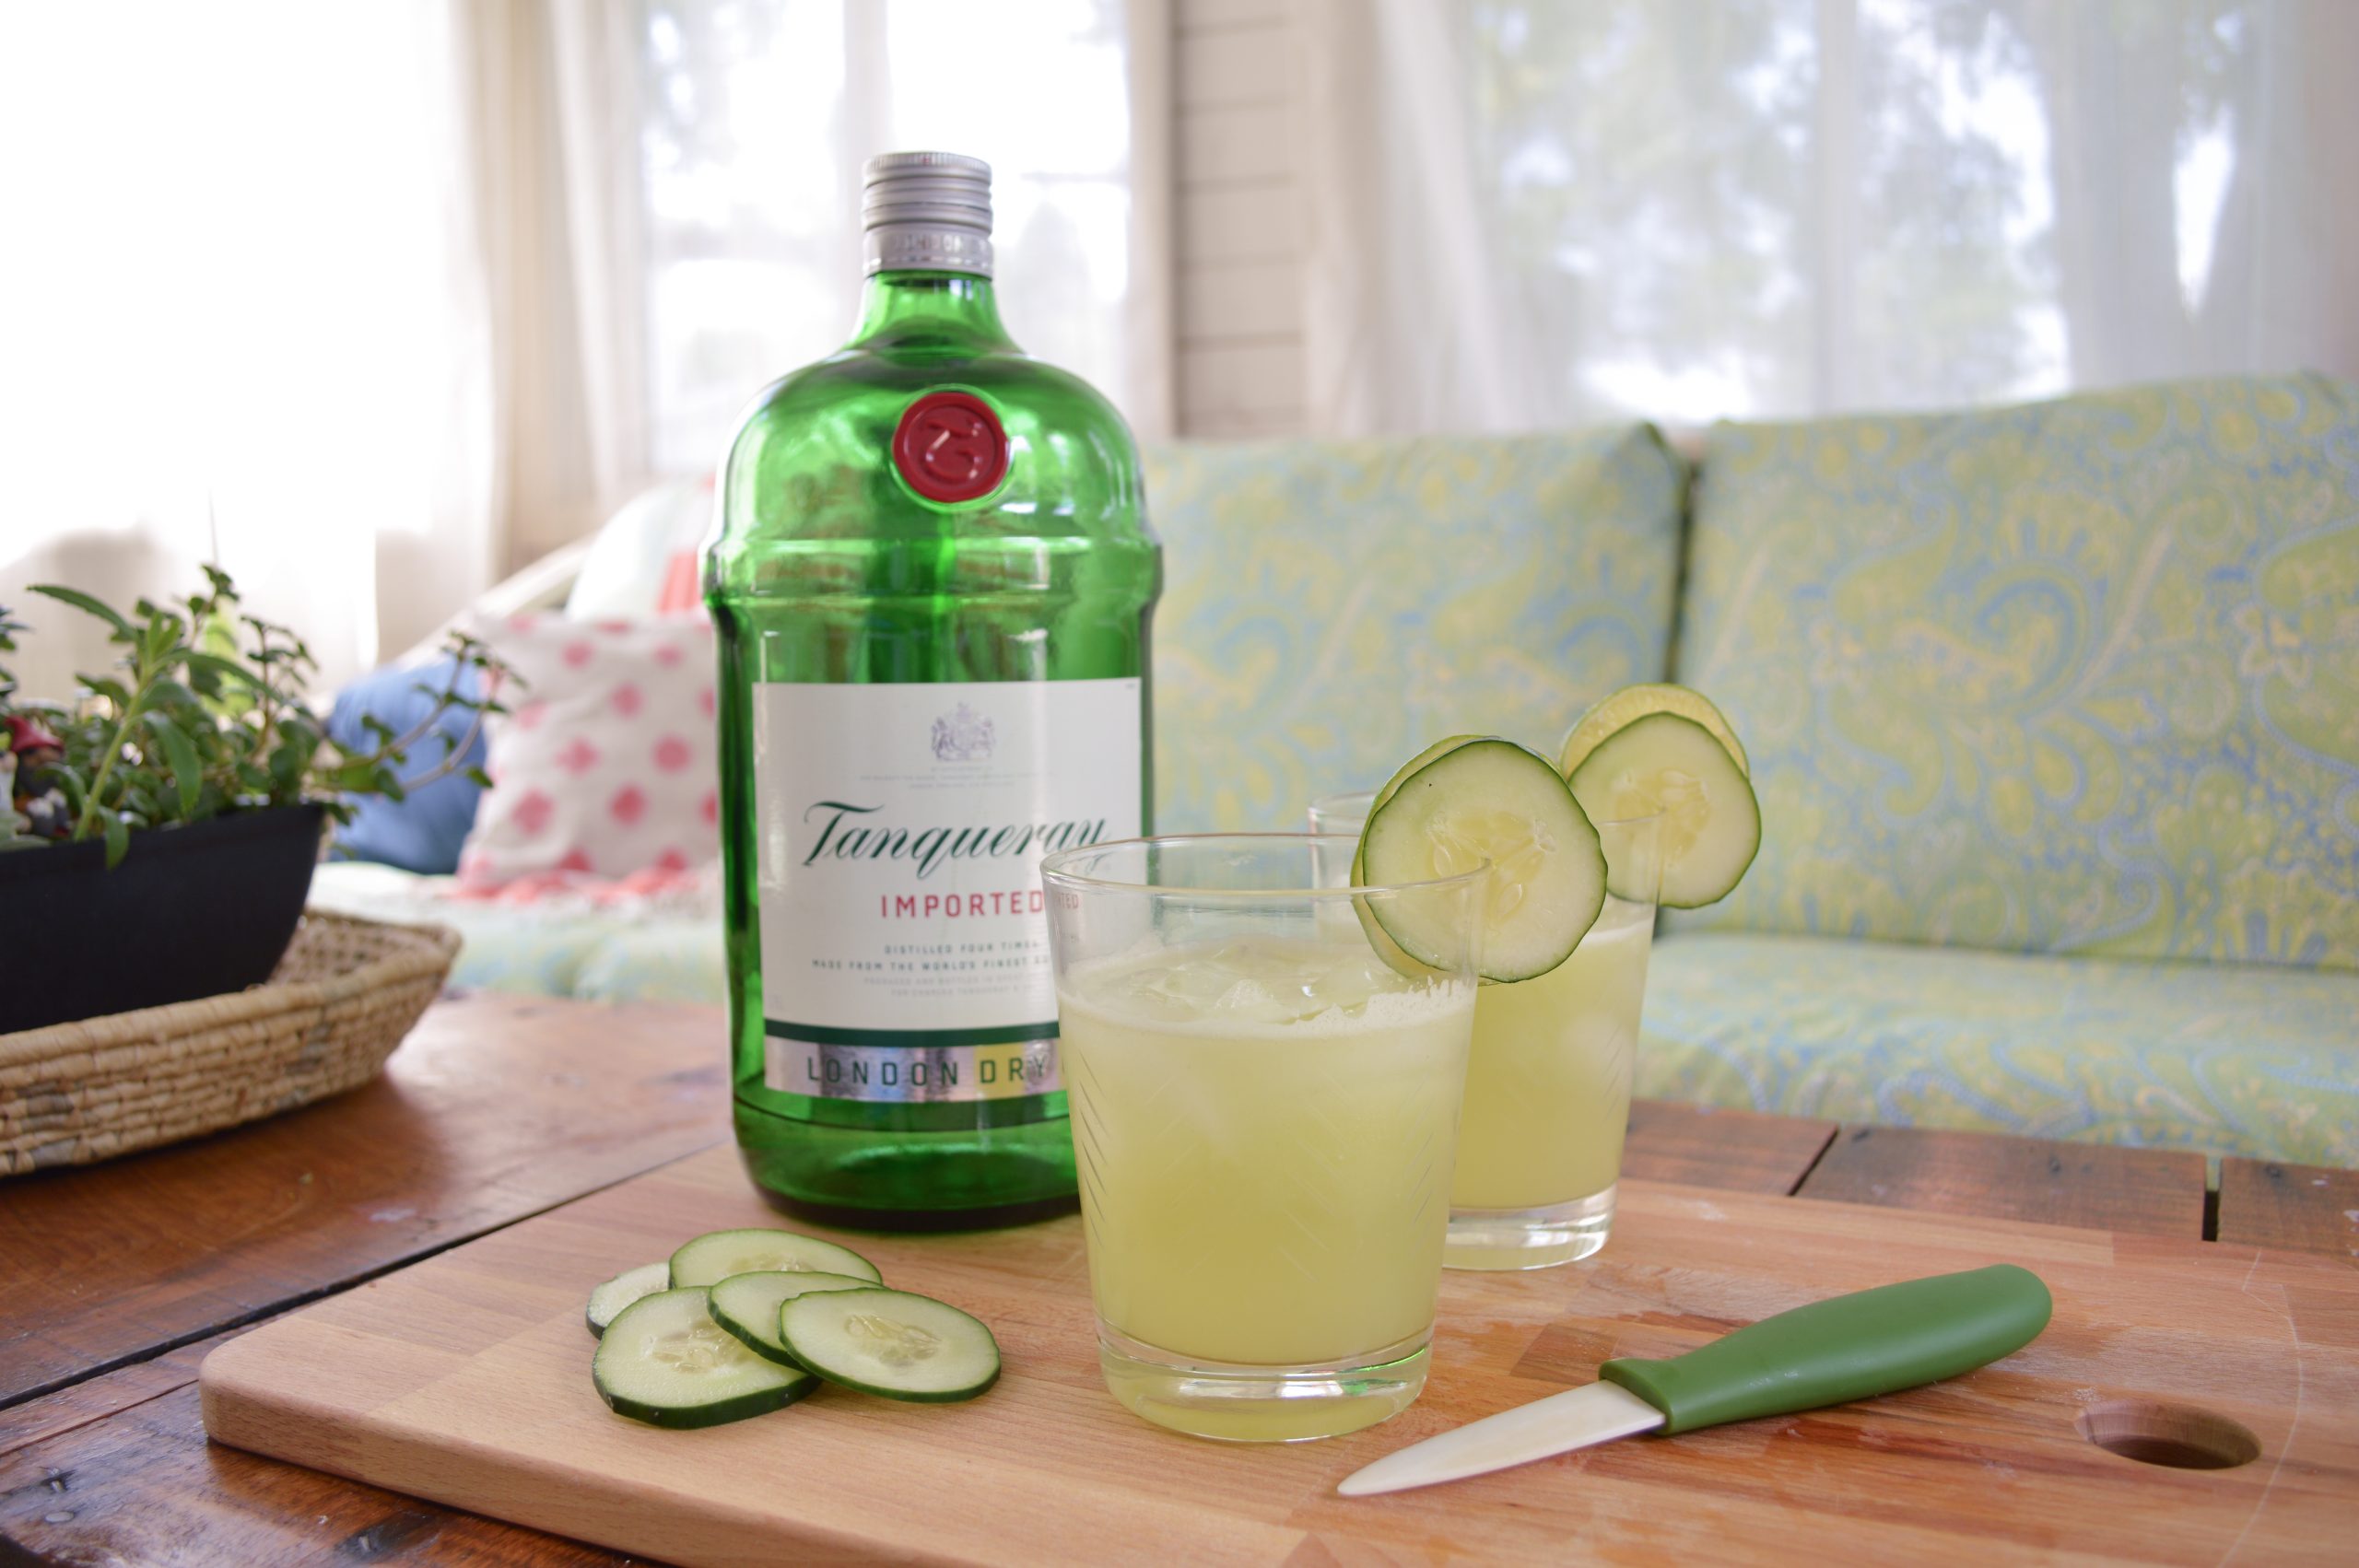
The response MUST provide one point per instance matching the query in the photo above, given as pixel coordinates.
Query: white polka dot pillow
(604, 767)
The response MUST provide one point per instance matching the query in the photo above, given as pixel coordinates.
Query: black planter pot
(192, 911)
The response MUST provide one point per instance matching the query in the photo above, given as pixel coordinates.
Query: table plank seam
(320, 1293)
(1833, 1131)
(110, 1412)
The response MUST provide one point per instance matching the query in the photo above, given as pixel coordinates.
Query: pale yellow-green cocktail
(1271, 1176)
(1548, 1088)
(1264, 1117)
(1548, 1081)
(1548, 1101)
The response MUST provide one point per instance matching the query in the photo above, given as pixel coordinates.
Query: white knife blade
(1557, 1424)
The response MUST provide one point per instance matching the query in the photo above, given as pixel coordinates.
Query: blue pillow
(423, 832)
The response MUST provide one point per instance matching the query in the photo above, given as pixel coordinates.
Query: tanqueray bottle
(931, 583)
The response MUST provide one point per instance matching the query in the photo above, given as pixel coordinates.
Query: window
(756, 116)
(1692, 209)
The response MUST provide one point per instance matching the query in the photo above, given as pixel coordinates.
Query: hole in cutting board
(2178, 1436)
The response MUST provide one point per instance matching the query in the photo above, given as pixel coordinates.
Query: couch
(2053, 711)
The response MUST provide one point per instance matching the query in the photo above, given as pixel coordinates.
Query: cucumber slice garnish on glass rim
(1387, 949)
(1417, 765)
(714, 1255)
(747, 1305)
(630, 1285)
(1667, 763)
(1467, 800)
(1611, 714)
(892, 1343)
(665, 1362)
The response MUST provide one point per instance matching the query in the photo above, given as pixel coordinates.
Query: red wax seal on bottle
(950, 448)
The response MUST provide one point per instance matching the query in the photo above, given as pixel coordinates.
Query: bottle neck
(947, 313)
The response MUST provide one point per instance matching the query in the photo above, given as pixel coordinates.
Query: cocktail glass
(1265, 1117)
(1548, 1085)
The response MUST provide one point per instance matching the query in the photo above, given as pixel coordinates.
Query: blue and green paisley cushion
(1329, 608)
(2227, 1059)
(2075, 677)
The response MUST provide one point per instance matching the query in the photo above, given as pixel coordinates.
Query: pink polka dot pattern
(533, 811)
(600, 774)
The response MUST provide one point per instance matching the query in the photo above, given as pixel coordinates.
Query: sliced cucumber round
(892, 1343)
(716, 1254)
(1633, 703)
(1711, 824)
(1488, 800)
(665, 1362)
(1415, 765)
(747, 1305)
(1386, 948)
(630, 1285)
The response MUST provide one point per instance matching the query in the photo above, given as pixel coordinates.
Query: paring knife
(1854, 1346)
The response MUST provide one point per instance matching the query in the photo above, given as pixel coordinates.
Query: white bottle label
(904, 933)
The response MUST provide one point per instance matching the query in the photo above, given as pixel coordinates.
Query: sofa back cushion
(2080, 676)
(1330, 607)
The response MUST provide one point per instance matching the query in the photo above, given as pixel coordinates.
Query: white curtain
(239, 324)
(374, 301)
(550, 99)
(1535, 212)
(755, 117)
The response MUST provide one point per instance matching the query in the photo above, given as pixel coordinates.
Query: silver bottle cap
(927, 211)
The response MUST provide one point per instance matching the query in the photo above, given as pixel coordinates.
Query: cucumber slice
(1636, 702)
(747, 1305)
(892, 1343)
(1414, 765)
(1489, 800)
(665, 1362)
(714, 1255)
(1386, 948)
(1711, 824)
(625, 1288)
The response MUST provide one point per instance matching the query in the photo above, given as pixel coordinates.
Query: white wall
(1239, 224)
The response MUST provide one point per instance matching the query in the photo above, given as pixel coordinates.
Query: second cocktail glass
(1549, 1084)
(1265, 1115)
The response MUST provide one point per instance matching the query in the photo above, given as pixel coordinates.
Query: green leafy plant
(208, 713)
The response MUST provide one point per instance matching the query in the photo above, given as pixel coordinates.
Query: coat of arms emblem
(962, 735)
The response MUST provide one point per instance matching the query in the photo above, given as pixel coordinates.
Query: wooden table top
(121, 1276)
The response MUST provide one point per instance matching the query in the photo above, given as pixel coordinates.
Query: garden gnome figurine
(33, 754)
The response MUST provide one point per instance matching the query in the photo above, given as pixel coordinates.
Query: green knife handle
(1854, 1346)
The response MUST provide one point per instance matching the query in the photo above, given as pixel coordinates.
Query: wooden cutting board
(465, 1379)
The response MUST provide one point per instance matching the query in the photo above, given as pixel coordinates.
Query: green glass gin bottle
(931, 585)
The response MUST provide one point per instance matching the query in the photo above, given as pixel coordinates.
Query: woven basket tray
(329, 1014)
